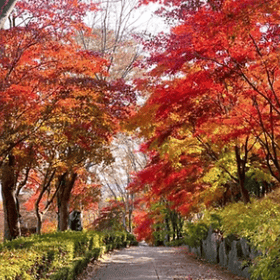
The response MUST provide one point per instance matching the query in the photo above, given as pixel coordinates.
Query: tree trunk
(180, 226)
(173, 219)
(39, 219)
(124, 220)
(66, 184)
(130, 211)
(46, 184)
(124, 216)
(167, 227)
(11, 214)
(241, 170)
(244, 193)
(6, 7)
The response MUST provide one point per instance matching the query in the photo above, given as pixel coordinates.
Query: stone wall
(228, 252)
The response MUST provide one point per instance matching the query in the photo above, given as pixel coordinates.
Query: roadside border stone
(230, 252)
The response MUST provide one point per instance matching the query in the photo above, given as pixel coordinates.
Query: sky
(138, 19)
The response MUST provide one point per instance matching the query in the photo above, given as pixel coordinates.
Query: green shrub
(63, 273)
(267, 266)
(158, 238)
(175, 243)
(259, 223)
(131, 239)
(159, 234)
(60, 255)
(195, 233)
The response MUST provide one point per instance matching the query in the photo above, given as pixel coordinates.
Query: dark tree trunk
(39, 221)
(167, 227)
(46, 184)
(180, 226)
(11, 214)
(130, 212)
(6, 7)
(124, 217)
(241, 170)
(66, 184)
(173, 219)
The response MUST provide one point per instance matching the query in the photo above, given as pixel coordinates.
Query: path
(154, 263)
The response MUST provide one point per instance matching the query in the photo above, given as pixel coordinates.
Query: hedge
(60, 255)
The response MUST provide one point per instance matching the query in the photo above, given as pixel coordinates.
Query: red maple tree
(213, 97)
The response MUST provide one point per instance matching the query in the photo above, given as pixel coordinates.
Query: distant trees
(118, 175)
(6, 8)
(116, 39)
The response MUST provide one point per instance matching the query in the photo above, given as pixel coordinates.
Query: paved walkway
(154, 263)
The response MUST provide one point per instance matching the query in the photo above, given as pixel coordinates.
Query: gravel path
(154, 263)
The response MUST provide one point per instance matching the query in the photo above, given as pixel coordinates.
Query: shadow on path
(156, 263)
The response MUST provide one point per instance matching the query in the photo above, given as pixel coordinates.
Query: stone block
(195, 251)
(235, 260)
(199, 251)
(233, 264)
(210, 247)
(254, 253)
(188, 247)
(223, 254)
(246, 250)
(75, 220)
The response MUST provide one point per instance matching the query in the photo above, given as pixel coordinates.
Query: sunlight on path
(156, 263)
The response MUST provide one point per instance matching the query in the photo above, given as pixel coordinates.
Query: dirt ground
(154, 263)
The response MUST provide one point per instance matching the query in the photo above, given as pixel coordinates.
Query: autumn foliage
(211, 120)
(57, 115)
(110, 217)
